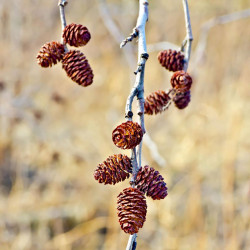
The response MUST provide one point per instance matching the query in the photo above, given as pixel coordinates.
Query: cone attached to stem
(50, 53)
(132, 209)
(77, 68)
(76, 35)
(155, 102)
(114, 169)
(150, 182)
(171, 60)
(127, 135)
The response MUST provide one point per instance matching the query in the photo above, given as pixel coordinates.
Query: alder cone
(114, 169)
(50, 53)
(181, 81)
(132, 209)
(76, 35)
(171, 60)
(150, 182)
(77, 67)
(155, 102)
(181, 100)
(127, 135)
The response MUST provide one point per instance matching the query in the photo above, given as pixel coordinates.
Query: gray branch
(62, 4)
(138, 90)
(187, 43)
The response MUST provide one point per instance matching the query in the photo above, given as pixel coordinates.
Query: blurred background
(54, 133)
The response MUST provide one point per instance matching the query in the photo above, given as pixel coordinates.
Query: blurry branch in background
(115, 31)
(162, 46)
(199, 52)
(62, 4)
(206, 27)
(187, 43)
(130, 58)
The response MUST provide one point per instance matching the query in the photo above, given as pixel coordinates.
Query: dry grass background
(54, 133)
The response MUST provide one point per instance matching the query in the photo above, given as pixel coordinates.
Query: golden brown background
(53, 133)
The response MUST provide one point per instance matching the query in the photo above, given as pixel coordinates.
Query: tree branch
(62, 4)
(187, 43)
(138, 90)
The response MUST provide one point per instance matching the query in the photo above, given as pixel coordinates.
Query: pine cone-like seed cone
(155, 102)
(127, 135)
(150, 182)
(171, 60)
(132, 209)
(77, 68)
(115, 169)
(181, 100)
(76, 35)
(181, 81)
(50, 53)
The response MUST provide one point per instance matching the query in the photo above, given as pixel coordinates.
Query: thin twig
(62, 4)
(187, 43)
(130, 38)
(138, 90)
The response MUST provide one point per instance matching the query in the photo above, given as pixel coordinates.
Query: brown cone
(171, 60)
(127, 135)
(115, 169)
(49, 54)
(76, 35)
(132, 209)
(77, 68)
(181, 100)
(155, 102)
(150, 182)
(181, 81)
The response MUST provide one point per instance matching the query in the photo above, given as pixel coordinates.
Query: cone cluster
(76, 35)
(127, 135)
(132, 209)
(77, 67)
(114, 169)
(73, 62)
(50, 53)
(155, 102)
(171, 60)
(150, 182)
